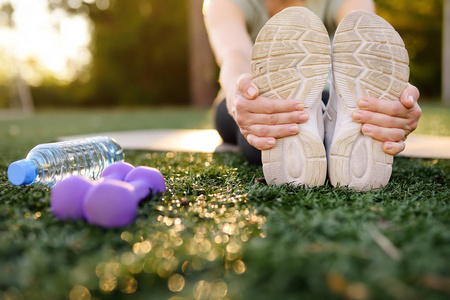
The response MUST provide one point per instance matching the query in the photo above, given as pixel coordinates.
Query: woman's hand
(262, 120)
(390, 121)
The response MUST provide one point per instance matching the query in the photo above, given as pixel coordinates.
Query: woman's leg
(230, 133)
(250, 153)
(225, 124)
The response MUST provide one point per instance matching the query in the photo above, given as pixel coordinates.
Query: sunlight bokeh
(38, 43)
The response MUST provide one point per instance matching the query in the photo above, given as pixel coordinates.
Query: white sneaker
(291, 59)
(369, 59)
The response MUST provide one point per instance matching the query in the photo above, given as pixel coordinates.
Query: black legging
(230, 133)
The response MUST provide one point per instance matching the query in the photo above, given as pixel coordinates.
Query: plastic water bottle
(50, 163)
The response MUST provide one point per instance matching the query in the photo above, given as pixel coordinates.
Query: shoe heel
(359, 162)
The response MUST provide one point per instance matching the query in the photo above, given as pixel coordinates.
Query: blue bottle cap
(22, 172)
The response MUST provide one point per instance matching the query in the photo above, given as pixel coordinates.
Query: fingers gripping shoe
(369, 59)
(291, 60)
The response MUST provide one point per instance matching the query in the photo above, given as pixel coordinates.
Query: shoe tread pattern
(291, 56)
(291, 60)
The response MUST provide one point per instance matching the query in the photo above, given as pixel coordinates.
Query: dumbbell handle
(141, 189)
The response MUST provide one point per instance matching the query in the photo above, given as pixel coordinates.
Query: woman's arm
(230, 43)
(260, 120)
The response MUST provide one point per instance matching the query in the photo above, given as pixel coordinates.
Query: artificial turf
(219, 232)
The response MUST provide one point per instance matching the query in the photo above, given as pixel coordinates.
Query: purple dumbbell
(145, 178)
(67, 196)
(113, 203)
(118, 170)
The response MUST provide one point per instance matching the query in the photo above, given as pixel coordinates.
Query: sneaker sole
(369, 59)
(291, 60)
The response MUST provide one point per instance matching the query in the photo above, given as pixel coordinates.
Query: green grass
(217, 233)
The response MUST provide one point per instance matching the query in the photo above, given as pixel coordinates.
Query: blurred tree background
(139, 52)
(419, 22)
(140, 55)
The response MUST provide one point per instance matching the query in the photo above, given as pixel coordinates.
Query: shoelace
(325, 112)
(324, 107)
